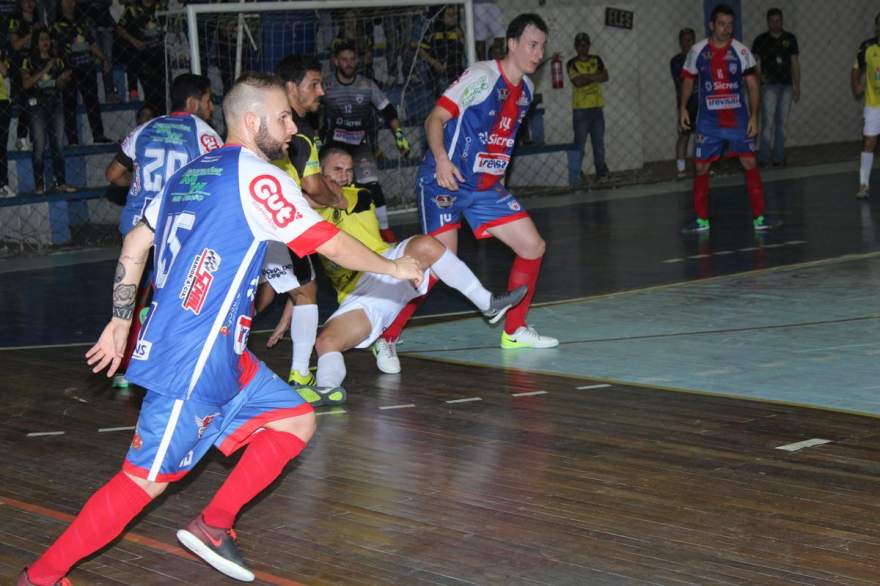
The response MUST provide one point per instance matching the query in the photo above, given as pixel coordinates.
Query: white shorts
(872, 121)
(488, 22)
(283, 271)
(381, 297)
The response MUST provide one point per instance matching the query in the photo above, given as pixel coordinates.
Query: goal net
(406, 47)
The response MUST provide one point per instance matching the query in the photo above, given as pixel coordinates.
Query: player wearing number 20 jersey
(154, 151)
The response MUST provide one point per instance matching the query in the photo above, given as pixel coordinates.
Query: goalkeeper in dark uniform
(349, 100)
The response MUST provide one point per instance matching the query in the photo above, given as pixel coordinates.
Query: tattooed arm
(110, 346)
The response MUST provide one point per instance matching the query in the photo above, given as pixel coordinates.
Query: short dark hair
(329, 151)
(518, 25)
(344, 45)
(293, 68)
(188, 85)
(774, 12)
(686, 31)
(722, 9)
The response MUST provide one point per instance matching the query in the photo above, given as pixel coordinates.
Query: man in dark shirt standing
(777, 54)
(686, 39)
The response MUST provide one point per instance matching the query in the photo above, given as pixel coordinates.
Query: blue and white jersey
(212, 224)
(719, 76)
(486, 113)
(157, 149)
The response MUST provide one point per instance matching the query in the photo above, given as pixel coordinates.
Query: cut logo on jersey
(199, 279)
(266, 191)
(209, 142)
(491, 163)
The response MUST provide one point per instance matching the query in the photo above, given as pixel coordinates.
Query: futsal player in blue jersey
(151, 154)
(725, 74)
(210, 225)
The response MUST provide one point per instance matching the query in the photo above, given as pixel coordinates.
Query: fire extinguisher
(556, 71)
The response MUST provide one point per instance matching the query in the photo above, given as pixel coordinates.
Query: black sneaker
(499, 304)
(216, 546)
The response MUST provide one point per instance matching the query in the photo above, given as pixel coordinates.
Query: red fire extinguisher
(556, 71)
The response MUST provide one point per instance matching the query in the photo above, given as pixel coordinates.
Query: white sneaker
(386, 356)
(863, 192)
(527, 337)
(6, 191)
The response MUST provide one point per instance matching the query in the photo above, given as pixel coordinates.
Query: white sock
(680, 165)
(452, 271)
(382, 216)
(865, 169)
(331, 370)
(303, 329)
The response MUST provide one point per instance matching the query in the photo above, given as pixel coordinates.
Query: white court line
(723, 252)
(106, 429)
(775, 245)
(602, 386)
(529, 394)
(712, 372)
(333, 412)
(804, 444)
(44, 433)
(776, 364)
(700, 256)
(404, 406)
(796, 242)
(672, 260)
(467, 400)
(749, 249)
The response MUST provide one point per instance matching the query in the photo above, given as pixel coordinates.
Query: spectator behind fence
(443, 49)
(489, 30)
(19, 29)
(98, 11)
(5, 117)
(865, 80)
(43, 77)
(142, 36)
(76, 43)
(356, 31)
(587, 72)
(686, 39)
(779, 63)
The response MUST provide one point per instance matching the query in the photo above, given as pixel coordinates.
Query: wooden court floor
(539, 482)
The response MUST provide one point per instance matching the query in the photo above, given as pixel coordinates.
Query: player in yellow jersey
(369, 302)
(865, 80)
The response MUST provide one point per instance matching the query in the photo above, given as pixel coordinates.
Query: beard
(272, 149)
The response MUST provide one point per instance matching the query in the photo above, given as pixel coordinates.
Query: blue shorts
(712, 148)
(172, 435)
(440, 209)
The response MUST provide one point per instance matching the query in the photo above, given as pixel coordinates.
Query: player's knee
(748, 163)
(533, 249)
(153, 489)
(305, 295)
(327, 342)
(869, 144)
(425, 249)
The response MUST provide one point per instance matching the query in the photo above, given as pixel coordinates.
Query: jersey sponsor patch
(724, 102)
(199, 279)
(348, 136)
(491, 163)
(209, 142)
(266, 191)
(142, 350)
(242, 330)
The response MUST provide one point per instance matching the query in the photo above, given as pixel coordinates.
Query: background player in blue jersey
(471, 132)
(152, 153)
(727, 122)
(210, 225)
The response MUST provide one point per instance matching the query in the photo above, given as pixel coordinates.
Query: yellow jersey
(302, 160)
(590, 95)
(868, 62)
(359, 221)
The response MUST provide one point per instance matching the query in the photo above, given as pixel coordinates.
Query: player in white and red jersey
(151, 154)
(471, 133)
(725, 73)
(211, 225)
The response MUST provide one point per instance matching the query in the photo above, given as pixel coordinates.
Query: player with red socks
(204, 388)
(725, 73)
(471, 133)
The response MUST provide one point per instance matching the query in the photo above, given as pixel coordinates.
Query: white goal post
(193, 11)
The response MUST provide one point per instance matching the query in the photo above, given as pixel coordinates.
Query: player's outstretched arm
(448, 175)
(351, 254)
(110, 347)
(687, 88)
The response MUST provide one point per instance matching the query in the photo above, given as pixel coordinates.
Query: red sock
(524, 272)
(101, 520)
(755, 187)
(262, 462)
(142, 297)
(701, 196)
(392, 332)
